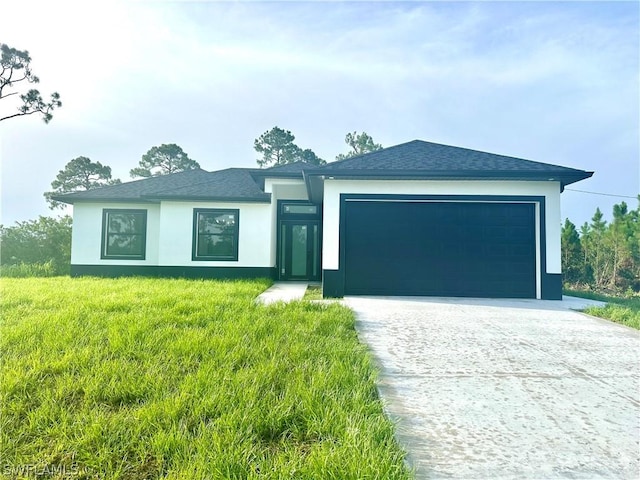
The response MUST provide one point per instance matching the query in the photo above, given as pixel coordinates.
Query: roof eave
(313, 178)
(569, 179)
(564, 177)
(72, 200)
(315, 187)
(266, 198)
(266, 174)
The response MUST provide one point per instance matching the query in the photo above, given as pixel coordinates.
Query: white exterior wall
(286, 188)
(86, 236)
(170, 230)
(333, 189)
(170, 224)
(176, 234)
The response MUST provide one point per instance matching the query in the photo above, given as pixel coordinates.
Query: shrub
(39, 247)
(21, 270)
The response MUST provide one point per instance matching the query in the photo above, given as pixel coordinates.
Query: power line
(599, 193)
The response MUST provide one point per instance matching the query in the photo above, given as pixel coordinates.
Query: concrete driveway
(497, 389)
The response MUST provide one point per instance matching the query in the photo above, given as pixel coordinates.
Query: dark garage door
(440, 248)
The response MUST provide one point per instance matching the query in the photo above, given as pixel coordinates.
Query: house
(413, 219)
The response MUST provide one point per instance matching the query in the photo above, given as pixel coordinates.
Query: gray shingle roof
(234, 184)
(295, 167)
(431, 160)
(416, 159)
(288, 170)
(136, 189)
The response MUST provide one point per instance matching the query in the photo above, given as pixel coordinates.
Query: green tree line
(603, 256)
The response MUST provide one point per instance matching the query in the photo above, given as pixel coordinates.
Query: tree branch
(5, 81)
(7, 95)
(19, 115)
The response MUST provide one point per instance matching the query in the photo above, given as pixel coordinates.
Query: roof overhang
(153, 199)
(314, 180)
(69, 199)
(267, 174)
(262, 199)
(259, 176)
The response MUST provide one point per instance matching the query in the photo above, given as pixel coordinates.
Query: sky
(555, 82)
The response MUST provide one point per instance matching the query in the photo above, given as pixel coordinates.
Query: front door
(299, 250)
(298, 241)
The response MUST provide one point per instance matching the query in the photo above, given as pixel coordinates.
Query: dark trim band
(172, 271)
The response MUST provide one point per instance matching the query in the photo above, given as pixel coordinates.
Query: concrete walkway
(506, 389)
(283, 292)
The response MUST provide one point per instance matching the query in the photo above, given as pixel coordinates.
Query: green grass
(313, 292)
(183, 379)
(617, 309)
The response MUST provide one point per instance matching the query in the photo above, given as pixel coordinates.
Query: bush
(22, 270)
(39, 247)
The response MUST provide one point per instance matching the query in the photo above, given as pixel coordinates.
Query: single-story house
(414, 219)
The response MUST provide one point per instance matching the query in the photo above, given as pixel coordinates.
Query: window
(299, 208)
(124, 234)
(215, 234)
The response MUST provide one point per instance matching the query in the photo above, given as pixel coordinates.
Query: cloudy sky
(556, 82)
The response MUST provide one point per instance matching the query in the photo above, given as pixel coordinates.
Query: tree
(623, 240)
(596, 250)
(308, 156)
(360, 144)
(277, 148)
(16, 67)
(612, 251)
(572, 261)
(163, 160)
(38, 242)
(587, 270)
(634, 240)
(78, 175)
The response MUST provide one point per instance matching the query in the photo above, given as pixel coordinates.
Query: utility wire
(599, 193)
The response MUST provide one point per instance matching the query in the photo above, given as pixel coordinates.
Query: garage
(439, 248)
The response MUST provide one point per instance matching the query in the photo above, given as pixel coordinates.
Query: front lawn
(184, 379)
(618, 309)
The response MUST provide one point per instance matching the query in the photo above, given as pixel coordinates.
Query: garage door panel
(440, 248)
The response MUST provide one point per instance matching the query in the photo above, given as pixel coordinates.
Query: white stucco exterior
(176, 232)
(86, 236)
(169, 236)
(550, 190)
(285, 188)
(170, 223)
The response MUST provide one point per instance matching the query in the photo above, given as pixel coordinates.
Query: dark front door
(299, 250)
